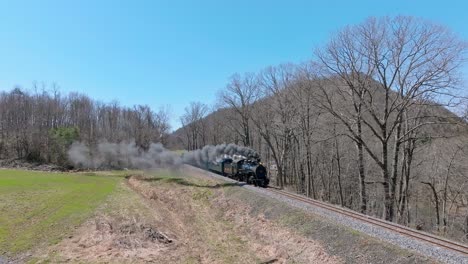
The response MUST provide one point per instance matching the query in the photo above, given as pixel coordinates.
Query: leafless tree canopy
(388, 68)
(40, 126)
(194, 125)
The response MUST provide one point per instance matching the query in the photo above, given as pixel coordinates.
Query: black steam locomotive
(241, 169)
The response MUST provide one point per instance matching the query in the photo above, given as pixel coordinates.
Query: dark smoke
(122, 155)
(128, 155)
(210, 153)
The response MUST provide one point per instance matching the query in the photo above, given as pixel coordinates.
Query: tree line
(40, 126)
(364, 125)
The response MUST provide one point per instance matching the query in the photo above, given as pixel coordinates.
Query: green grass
(39, 208)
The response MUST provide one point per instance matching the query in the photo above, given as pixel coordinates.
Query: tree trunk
(395, 162)
(338, 175)
(436, 202)
(362, 168)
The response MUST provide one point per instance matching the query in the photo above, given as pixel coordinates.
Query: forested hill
(365, 125)
(308, 149)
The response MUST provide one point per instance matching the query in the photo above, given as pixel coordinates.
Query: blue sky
(172, 52)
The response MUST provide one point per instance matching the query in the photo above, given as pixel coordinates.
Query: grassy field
(39, 208)
(98, 217)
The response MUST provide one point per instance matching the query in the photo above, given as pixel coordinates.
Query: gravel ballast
(385, 235)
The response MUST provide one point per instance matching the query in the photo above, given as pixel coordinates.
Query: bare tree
(308, 118)
(240, 95)
(276, 120)
(385, 66)
(194, 125)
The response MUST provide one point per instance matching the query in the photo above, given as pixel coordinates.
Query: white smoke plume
(122, 155)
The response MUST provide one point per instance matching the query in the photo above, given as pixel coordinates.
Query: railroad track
(428, 238)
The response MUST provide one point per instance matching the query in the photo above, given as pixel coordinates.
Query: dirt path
(175, 219)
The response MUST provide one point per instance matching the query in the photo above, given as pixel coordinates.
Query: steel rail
(441, 242)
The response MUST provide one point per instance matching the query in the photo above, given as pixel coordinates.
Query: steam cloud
(122, 155)
(210, 153)
(129, 155)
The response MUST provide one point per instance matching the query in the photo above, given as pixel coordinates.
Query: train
(240, 168)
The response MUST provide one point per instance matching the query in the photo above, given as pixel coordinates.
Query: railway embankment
(193, 216)
(181, 217)
(343, 233)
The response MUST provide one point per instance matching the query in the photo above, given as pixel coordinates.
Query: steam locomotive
(240, 168)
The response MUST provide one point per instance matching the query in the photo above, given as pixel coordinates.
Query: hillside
(319, 159)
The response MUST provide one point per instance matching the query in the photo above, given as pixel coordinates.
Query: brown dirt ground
(182, 220)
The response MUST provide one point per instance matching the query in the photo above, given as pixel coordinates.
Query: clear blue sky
(173, 52)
